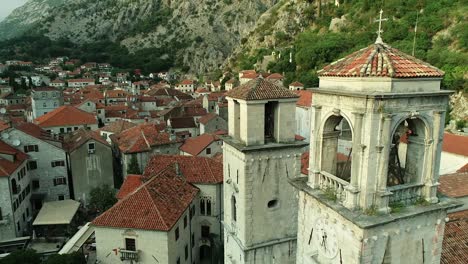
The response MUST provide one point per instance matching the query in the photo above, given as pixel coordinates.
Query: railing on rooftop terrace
(330, 182)
(405, 193)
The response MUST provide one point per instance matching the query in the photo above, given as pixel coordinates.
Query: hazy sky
(6, 6)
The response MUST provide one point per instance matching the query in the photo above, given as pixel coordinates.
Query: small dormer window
(91, 148)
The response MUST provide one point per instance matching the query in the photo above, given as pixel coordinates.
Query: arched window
(202, 206)
(208, 207)
(337, 145)
(406, 157)
(233, 208)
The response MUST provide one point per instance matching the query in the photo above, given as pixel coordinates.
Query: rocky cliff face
(204, 32)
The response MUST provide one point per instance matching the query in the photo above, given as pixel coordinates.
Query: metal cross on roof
(380, 31)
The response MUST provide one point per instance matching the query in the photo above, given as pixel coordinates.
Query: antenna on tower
(380, 31)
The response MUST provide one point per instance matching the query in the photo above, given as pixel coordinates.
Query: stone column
(315, 146)
(383, 152)
(434, 152)
(353, 187)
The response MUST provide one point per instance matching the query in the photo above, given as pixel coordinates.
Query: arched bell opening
(337, 141)
(407, 151)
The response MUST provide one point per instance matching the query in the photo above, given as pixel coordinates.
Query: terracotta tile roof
(141, 138)
(275, 76)
(78, 137)
(4, 125)
(116, 107)
(35, 131)
(196, 145)
(193, 169)
(455, 244)
(66, 116)
(7, 167)
(463, 169)
(296, 84)
(299, 137)
(260, 89)
(186, 82)
(194, 111)
(248, 71)
(207, 118)
(231, 81)
(44, 89)
(156, 205)
(454, 185)
(249, 76)
(117, 126)
(455, 144)
(130, 184)
(380, 60)
(215, 96)
(201, 90)
(305, 98)
(115, 94)
(218, 157)
(182, 122)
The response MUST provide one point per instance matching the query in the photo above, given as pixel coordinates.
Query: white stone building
(80, 83)
(45, 100)
(371, 208)
(186, 86)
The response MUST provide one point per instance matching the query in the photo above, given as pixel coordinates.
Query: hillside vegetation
(317, 36)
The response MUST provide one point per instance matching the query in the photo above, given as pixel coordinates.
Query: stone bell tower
(260, 156)
(371, 192)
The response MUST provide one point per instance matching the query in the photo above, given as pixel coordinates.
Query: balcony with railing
(333, 185)
(128, 255)
(405, 193)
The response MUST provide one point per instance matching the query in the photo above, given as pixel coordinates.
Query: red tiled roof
(455, 244)
(201, 90)
(275, 76)
(141, 138)
(296, 84)
(44, 89)
(299, 137)
(115, 94)
(207, 118)
(454, 185)
(196, 145)
(380, 60)
(194, 169)
(214, 96)
(7, 167)
(249, 76)
(35, 131)
(455, 144)
(194, 111)
(186, 82)
(130, 184)
(260, 89)
(4, 125)
(463, 169)
(66, 116)
(81, 136)
(182, 122)
(305, 98)
(117, 126)
(156, 205)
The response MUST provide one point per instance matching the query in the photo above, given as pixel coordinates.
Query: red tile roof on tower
(196, 145)
(260, 89)
(380, 60)
(66, 116)
(454, 185)
(305, 98)
(275, 76)
(194, 169)
(7, 167)
(156, 205)
(455, 144)
(141, 138)
(130, 184)
(296, 84)
(455, 244)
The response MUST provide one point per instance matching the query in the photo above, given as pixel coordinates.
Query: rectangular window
(57, 163)
(31, 148)
(202, 207)
(35, 184)
(1, 215)
(177, 233)
(205, 231)
(186, 252)
(69, 129)
(18, 225)
(185, 221)
(208, 151)
(178, 260)
(61, 197)
(62, 130)
(130, 244)
(32, 165)
(60, 181)
(91, 147)
(193, 240)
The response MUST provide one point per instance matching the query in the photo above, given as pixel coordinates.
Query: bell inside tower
(405, 163)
